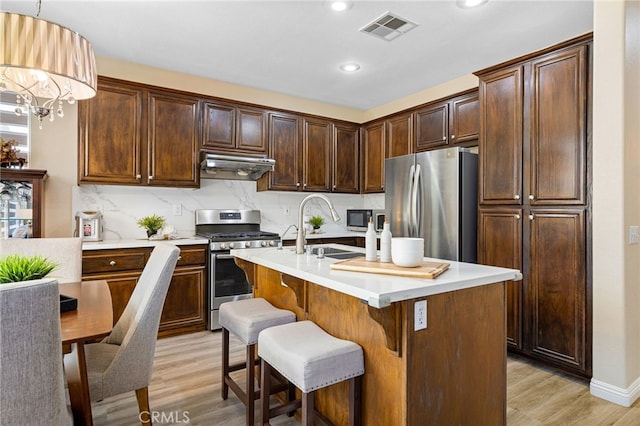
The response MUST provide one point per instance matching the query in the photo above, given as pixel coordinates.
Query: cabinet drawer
(192, 256)
(103, 261)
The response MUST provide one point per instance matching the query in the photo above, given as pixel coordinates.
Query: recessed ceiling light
(350, 67)
(340, 5)
(468, 4)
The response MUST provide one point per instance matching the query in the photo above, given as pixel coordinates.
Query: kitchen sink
(337, 253)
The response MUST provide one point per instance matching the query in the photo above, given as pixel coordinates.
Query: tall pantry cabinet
(534, 197)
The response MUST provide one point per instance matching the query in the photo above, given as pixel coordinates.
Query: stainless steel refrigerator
(433, 195)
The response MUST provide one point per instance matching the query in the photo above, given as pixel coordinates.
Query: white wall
(616, 205)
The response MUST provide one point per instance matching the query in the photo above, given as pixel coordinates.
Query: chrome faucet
(284, 233)
(301, 231)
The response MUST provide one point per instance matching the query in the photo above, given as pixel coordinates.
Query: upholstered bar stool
(246, 319)
(311, 359)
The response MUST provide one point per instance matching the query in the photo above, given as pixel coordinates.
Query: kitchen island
(451, 372)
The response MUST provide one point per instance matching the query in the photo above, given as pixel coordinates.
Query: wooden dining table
(91, 321)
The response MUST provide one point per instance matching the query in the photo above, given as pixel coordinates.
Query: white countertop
(133, 243)
(376, 289)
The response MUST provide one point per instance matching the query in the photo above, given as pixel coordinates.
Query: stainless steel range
(226, 230)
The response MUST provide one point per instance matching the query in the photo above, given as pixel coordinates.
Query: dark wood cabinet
(173, 140)
(399, 135)
(534, 162)
(500, 244)
(132, 134)
(233, 129)
(373, 156)
(346, 158)
(185, 306)
(453, 121)
(317, 144)
(286, 149)
(432, 126)
(22, 208)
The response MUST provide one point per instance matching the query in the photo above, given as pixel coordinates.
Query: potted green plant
(15, 268)
(316, 222)
(152, 224)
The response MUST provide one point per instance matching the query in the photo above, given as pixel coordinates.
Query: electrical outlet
(285, 211)
(177, 209)
(420, 313)
(634, 237)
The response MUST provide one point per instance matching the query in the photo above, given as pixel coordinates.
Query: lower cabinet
(184, 308)
(548, 312)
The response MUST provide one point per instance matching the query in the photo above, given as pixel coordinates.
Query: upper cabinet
(373, 156)
(346, 158)
(317, 144)
(155, 141)
(399, 138)
(454, 121)
(285, 147)
(229, 128)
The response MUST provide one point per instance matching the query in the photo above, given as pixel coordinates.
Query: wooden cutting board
(427, 269)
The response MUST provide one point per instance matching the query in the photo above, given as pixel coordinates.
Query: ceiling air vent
(388, 27)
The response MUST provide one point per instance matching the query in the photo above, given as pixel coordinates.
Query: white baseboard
(625, 397)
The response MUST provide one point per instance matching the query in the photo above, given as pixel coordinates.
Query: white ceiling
(295, 47)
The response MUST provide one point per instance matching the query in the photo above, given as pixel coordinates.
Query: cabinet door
(346, 159)
(251, 130)
(558, 103)
(432, 127)
(500, 244)
(373, 143)
(316, 153)
(173, 140)
(556, 294)
(184, 306)
(399, 135)
(219, 126)
(110, 153)
(284, 147)
(500, 145)
(464, 123)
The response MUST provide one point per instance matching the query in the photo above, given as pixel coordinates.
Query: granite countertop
(133, 243)
(375, 289)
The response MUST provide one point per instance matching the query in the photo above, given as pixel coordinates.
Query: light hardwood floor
(186, 390)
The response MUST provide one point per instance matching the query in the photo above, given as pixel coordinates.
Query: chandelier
(44, 64)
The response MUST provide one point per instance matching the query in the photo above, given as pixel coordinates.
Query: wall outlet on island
(286, 211)
(177, 209)
(420, 311)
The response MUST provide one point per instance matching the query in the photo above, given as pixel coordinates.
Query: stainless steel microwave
(358, 220)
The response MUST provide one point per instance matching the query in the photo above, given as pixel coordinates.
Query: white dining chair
(123, 361)
(65, 252)
(31, 376)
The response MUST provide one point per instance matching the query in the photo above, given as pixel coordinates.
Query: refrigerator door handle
(415, 206)
(409, 226)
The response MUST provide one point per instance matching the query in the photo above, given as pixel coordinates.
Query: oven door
(228, 283)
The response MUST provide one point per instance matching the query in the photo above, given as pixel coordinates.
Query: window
(14, 127)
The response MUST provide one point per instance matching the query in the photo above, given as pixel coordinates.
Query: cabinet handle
(444, 138)
(531, 197)
(138, 177)
(516, 197)
(179, 257)
(453, 136)
(518, 217)
(334, 187)
(112, 263)
(297, 184)
(530, 217)
(150, 177)
(304, 186)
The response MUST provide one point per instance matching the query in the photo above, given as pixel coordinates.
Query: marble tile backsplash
(122, 206)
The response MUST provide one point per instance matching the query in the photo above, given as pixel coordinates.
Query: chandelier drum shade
(40, 59)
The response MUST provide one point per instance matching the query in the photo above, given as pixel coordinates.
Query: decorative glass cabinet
(21, 203)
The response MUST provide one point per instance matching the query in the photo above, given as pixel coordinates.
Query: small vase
(150, 233)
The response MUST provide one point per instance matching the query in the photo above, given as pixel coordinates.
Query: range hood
(219, 166)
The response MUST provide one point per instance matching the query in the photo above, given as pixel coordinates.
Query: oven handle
(223, 256)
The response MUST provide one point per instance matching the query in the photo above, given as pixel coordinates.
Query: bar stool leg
(355, 401)
(225, 363)
(265, 390)
(251, 384)
(308, 407)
